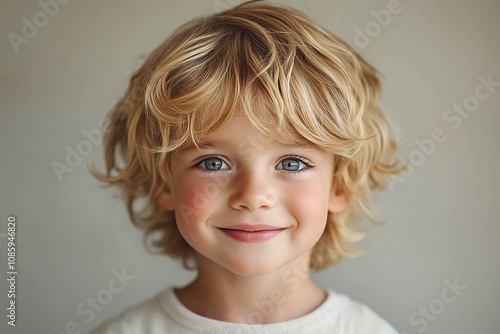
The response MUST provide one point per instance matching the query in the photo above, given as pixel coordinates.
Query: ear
(339, 200)
(165, 199)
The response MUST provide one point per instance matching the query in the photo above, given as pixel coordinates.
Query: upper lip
(252, 228)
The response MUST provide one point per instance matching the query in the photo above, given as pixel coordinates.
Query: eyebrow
(225, 144)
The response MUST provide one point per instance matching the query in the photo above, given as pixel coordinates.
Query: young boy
(256, 137)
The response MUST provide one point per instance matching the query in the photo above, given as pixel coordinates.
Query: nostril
(252, 192)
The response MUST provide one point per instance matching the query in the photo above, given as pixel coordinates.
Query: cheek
(194, 201)
(309, 204)
(190, 208)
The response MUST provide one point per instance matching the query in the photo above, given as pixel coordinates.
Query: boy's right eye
(212, 164)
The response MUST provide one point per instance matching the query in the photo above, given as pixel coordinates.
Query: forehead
(239, 133)
(205, 144)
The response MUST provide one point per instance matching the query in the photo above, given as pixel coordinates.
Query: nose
(253, 192)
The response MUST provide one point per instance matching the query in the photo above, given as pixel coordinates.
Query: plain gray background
(442, 223)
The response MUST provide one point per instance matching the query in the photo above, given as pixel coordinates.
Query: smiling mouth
(252, 233)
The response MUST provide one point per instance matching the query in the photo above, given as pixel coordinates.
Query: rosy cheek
(308, 204)
(187, 207)
(195, 200)
(188, 214)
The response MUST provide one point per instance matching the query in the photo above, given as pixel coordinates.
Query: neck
(281, 295)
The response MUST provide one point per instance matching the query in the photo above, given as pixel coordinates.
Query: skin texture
(251, 179)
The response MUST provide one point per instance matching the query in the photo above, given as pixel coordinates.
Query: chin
(250, 272)
(251, 268)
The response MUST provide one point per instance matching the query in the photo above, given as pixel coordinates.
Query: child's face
(241, 179)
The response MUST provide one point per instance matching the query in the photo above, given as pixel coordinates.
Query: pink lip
(252, 233)
(252, 228)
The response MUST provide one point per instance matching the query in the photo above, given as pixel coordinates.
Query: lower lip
(254, 236)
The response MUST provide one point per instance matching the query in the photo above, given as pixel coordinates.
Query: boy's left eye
(291, 164)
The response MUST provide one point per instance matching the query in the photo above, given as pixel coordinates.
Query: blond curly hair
(311, 84)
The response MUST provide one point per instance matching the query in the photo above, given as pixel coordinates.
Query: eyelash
(200, 160)
(301, 159)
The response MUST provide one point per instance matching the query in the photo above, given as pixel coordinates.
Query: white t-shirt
(165, 314)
